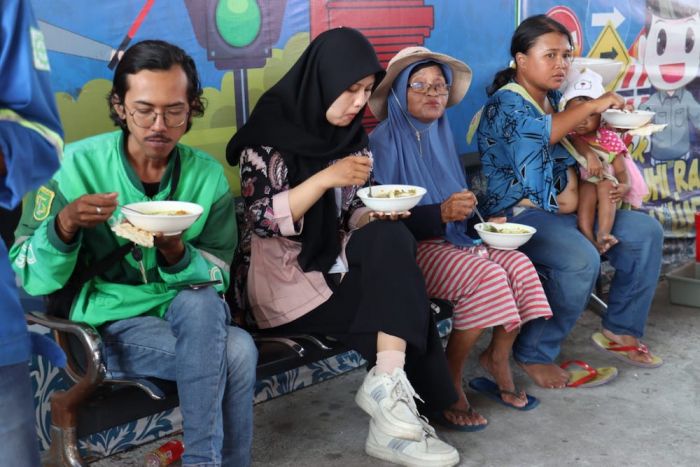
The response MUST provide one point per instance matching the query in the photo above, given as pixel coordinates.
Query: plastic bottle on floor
(166, 454)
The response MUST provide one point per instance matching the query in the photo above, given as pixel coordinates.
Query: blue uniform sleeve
(30, 144)
(31, 138)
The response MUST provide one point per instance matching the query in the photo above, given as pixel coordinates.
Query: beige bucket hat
(461, 77)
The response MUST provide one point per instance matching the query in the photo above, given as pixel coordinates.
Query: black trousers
(384, 291)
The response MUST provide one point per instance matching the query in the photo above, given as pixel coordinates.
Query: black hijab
(291, 117)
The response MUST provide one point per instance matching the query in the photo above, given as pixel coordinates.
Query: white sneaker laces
(405, 392)
(427, 428)
(402, 391)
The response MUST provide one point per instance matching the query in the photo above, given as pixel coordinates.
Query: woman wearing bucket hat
(490, 288)
(309, 259)
(527, 161)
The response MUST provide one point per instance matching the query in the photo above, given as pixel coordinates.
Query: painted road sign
(568, 18)
(610, 45)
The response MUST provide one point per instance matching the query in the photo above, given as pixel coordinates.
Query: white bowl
(160, 216)
(627, 120)
(504, 240)
(607, 68)
(381, 204)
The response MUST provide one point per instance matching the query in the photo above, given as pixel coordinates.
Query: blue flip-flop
(438, 417)
(490, 389)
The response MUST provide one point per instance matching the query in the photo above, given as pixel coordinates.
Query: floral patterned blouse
(264, 174)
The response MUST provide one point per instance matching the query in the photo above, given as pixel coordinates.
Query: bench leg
(597, 305)
(63, 451)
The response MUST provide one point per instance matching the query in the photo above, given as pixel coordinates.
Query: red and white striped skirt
(500, 289)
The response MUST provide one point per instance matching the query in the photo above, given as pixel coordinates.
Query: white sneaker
(388, 399)
(429, 452)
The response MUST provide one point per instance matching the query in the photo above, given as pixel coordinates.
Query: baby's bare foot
(605, 241)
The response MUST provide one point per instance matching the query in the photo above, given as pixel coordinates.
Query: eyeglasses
(441, 89)
(147, 118)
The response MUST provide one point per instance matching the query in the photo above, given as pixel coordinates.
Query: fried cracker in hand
(133, 233)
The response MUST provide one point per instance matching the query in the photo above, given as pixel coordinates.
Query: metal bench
(95, 403)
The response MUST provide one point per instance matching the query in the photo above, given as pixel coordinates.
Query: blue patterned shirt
(517, 159)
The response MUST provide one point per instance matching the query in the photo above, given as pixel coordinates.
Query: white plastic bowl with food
(627, 120)
(391, 198)
(167, 217)
(506, 236)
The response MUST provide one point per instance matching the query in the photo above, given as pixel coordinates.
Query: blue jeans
(570, 265)
(18, 440)
(213, 364)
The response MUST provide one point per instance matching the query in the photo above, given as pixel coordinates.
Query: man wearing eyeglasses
(151, 326)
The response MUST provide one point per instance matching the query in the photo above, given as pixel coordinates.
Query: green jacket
(98, 164)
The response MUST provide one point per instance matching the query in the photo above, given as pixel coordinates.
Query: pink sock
(388, 360)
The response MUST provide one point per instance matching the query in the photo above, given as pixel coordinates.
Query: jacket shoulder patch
(41, 58)
(42, 203)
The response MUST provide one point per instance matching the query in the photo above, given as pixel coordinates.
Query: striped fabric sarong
(488, 287)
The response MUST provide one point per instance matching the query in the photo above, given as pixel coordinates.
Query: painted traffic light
(238, 22)
(237, 34)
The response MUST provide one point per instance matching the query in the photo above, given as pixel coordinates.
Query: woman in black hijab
(309, 259)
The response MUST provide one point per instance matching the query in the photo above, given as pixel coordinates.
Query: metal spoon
(371, 171)
(476, 210)
(130, 209)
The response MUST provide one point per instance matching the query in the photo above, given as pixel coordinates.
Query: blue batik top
(517, 159)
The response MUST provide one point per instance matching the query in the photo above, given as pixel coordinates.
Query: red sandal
(620, 351)
(588, 377)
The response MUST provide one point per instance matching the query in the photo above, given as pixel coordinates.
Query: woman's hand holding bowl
(391, 216)
(377, 215)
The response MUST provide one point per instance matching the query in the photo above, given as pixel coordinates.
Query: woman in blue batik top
(531, 178)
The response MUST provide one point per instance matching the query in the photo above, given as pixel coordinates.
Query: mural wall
(242, 47)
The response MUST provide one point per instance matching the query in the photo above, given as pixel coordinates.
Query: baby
(607, 172)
